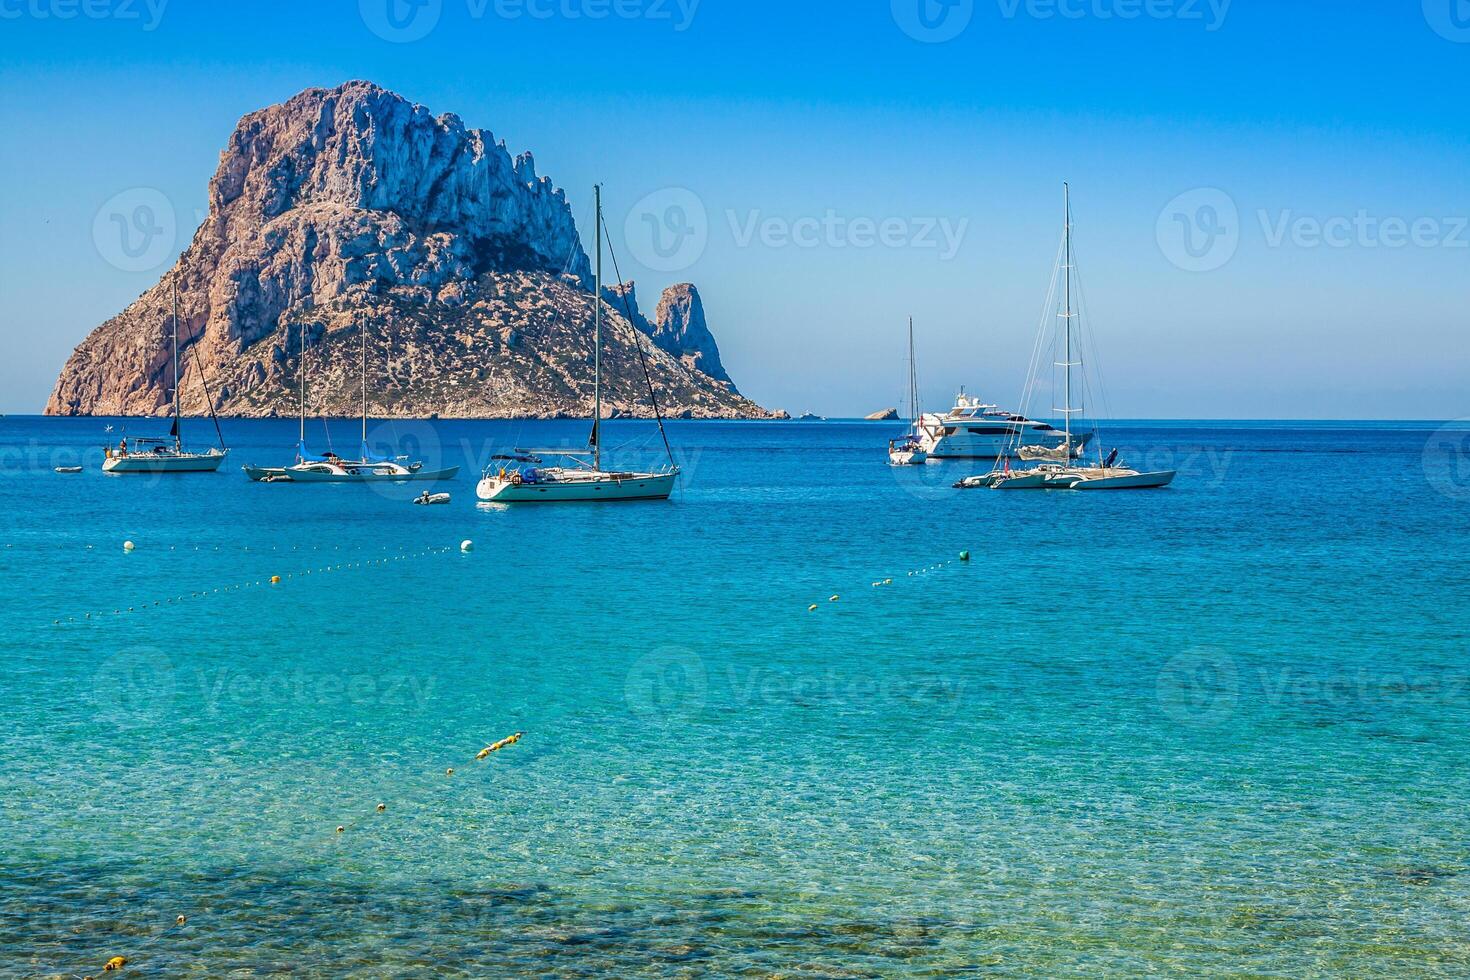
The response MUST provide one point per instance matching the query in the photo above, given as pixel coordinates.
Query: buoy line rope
(342, 831)
(255, 583)
(962, 558)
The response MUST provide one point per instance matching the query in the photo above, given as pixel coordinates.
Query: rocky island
(351, 210)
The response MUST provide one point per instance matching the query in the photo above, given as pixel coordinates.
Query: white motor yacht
(974, 429)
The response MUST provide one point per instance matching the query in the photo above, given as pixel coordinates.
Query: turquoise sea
(1221, 729)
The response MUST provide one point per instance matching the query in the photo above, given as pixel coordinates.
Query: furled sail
(1060, 454)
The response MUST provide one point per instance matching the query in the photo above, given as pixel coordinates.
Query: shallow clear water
(1219, 729)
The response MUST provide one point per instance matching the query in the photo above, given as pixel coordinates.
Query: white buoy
(466, 546)
(127, 546)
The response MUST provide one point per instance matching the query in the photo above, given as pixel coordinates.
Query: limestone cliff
(351, 209)
(682, 331)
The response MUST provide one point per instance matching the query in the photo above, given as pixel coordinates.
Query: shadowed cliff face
(357, 209)
(682, 331)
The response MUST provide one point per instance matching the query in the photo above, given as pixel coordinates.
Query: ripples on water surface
(1220, 729)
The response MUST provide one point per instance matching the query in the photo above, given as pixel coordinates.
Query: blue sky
(1314, 153)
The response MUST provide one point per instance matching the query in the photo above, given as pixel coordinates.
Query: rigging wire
(638, 345)
(209, 398)
(1043, 332)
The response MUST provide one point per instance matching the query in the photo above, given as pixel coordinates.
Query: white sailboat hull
(908, 457)
(266, 474)
(1023, 481)
(364, 473)
(1131, 481)
(578, 489)
(166, 462)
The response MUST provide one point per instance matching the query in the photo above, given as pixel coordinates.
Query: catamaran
(328, 467)
(522, 477)
(151, 455)
(910, 451)
(1056, 467)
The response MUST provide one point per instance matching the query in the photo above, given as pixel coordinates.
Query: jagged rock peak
(680, 329)
(351, 208)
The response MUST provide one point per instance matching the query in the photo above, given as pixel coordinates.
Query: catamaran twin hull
(358, 473)
(576, 488)
(1062, 478)
(165, 462)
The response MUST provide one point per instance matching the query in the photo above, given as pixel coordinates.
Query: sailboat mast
(913, 376)
(301, 370)
(1067, 234)
(176, 364)
(364, 386)
(597, 345)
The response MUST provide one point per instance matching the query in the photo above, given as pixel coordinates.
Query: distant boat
(1058, 471)
(152, 455)
(520, 477)
(910, 451)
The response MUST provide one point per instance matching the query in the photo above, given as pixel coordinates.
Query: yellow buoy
(834, 598)
(127, 546)
(341, 829)
(812, 607)
(382, 807)
(181, 920)
(116, 963)
(275, 580)
(449, 771)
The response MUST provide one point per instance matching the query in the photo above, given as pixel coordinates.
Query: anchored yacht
(973, 429)
(168, 455)
(520, 477)
(1056, 467)
(910, 451)
(328, 467)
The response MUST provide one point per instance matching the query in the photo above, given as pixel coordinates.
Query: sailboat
(329, 467)
(1057, 469)
(166, 455)
(910, 450)
(522, 478)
